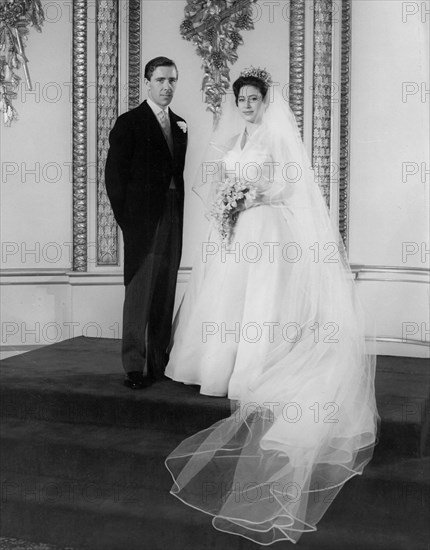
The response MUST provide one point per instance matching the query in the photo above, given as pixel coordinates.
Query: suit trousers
(150, 296)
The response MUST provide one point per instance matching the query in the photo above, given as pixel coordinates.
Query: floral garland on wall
(15, 17)
(214, 28)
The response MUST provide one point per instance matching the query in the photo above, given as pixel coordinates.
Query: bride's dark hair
(249, 81)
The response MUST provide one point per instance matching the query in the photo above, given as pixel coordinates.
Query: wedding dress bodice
(251, 163)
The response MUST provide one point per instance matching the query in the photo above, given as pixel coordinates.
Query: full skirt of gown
(272, 322)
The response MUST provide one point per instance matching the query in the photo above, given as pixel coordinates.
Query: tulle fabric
(273, 321)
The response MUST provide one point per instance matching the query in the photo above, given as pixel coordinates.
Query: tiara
(256, 72)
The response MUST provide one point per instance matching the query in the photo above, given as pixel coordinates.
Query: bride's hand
(250, 200)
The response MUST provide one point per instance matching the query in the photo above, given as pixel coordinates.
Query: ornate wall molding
(134, 59)
(322, 95)
(80, 135)
(320, 48)
(107, 112)
(107, 61)
(297, 60)
(345, 99)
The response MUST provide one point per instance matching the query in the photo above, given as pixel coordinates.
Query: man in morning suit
(145, 185)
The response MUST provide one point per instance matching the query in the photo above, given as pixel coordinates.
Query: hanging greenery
(15, 18)
(214, 27)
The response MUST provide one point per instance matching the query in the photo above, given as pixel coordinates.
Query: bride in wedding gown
(271, 319)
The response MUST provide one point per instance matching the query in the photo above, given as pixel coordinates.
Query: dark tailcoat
(139, 169)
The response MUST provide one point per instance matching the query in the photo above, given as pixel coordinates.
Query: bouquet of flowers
(230, 198)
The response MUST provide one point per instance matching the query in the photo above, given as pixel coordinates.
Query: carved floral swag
(15, 18)
(214, 28)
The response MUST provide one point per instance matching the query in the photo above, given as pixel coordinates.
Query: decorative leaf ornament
(15, 17)
(214, 28)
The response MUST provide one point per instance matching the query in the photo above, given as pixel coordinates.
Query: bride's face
(250, 104)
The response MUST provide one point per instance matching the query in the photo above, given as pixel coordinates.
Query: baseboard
(42, 307)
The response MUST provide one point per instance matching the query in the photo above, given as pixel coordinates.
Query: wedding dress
(271, 319)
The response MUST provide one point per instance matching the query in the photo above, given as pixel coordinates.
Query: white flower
(182, 125)
(230, 198)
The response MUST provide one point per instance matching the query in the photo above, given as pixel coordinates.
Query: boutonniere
(182, 125)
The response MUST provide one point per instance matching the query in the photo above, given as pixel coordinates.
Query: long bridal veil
(307, 421)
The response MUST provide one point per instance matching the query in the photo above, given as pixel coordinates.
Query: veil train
(307, 422)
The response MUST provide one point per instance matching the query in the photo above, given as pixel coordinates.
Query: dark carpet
(18, 544)
(82, 459)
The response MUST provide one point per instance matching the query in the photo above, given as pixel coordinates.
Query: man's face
(162, 85)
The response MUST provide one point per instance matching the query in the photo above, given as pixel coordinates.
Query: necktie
(165, 126)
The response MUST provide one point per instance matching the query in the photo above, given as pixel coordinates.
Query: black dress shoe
(136, 381)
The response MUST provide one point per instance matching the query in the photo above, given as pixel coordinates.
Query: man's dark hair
(158, 62)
